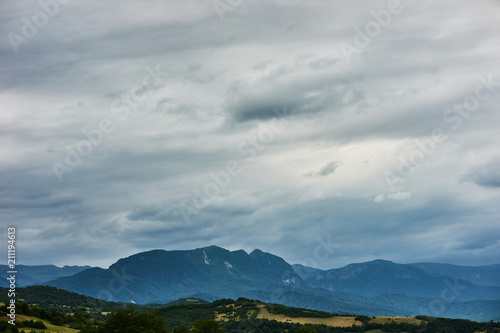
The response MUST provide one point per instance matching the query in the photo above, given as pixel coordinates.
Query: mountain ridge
(211, 273)
(378, 277)
(30, 275)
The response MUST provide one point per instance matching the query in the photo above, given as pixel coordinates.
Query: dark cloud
(329, 168)
(219, 88)
(488, 177)
(326, 170)
(302, 95)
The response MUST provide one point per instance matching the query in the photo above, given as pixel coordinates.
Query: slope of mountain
(164, 276)
(176, 313)
(30, 275)
(379, 277)
(481, 275)
(375, 288)
(61, 300)
(306, 272)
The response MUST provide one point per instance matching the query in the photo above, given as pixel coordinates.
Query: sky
(326, 132)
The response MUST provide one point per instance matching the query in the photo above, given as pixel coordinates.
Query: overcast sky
(325, 132)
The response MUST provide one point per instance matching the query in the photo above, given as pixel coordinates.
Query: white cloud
(398, 196)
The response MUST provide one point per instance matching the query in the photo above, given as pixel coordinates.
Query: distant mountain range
(374, 288)
(481, 275)
(380, 277)
(32, 275)
(163, 276)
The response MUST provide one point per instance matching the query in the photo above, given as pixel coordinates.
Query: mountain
(481, 275)
(211, 273)
(380, 277)
(163, 276)
(305, 272)
(31, 275)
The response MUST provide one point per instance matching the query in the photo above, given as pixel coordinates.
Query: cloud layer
(132, 126)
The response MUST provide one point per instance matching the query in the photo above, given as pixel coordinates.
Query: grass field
(50, 328)
(399, 320)
(336, 321)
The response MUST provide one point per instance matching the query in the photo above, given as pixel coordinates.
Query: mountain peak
(381, 261)
(213, 247)
(257, 252)
(240, 252)
(163, 276)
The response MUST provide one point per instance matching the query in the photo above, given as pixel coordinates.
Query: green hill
(62, 311)
(51, 298)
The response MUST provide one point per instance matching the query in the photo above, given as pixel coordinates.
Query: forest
(44, 306)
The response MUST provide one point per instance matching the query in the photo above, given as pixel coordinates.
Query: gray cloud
(488, 176)
(297, 89)
(326, 170)
(329, 168)
(221, 88)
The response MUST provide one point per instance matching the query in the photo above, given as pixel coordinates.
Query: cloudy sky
(326, 132)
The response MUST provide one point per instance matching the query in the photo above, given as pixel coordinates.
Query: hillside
(163, 276)
(39, 274)
(233, 315)
(51, 298)
(375, 288)
(48, 326)
(32, 323)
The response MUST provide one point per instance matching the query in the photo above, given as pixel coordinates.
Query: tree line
(241, 317)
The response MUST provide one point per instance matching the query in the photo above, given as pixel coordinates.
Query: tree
(130, 321)
(182, 329)
(206, 326)
(305, 329)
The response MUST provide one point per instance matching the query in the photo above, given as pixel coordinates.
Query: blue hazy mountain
(380, 277)
(375, 288)
(164, 276)
(31, 275)
(488, 275)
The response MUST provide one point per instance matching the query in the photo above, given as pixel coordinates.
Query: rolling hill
(233, 315)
